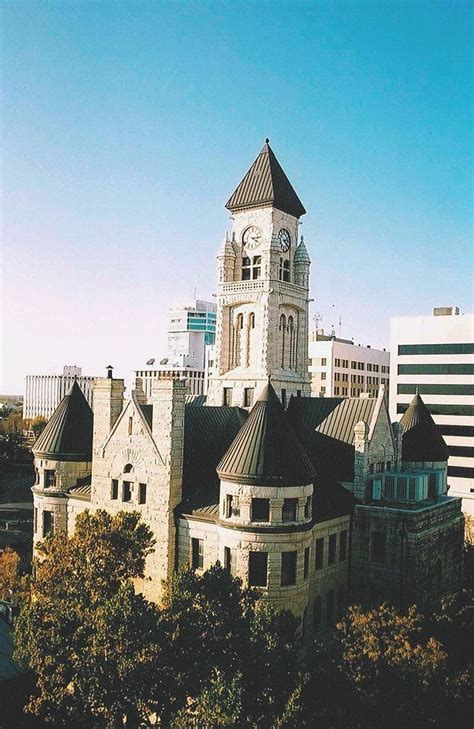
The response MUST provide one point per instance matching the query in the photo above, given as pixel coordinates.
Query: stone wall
(422, 554)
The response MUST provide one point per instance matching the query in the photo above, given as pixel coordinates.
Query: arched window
(283, 338)
(252, 321)
(291, 330)
(330, 608)
(239, 325)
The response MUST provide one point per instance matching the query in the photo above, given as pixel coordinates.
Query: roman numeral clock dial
(251, 237)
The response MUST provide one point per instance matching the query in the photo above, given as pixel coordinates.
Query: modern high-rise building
(434, 355)
(340, 368)
(191, 329)
(43, 393)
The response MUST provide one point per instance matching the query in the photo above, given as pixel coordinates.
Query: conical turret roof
(266, 184)
(301, 253)
(266, 450)
(68, 434)
(422, 440)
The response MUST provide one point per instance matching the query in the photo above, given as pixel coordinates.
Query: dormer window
(251, 268)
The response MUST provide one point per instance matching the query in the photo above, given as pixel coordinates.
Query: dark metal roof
(325, 427)
(68, 433)
(196, 400)
(331, 500)
(266, 451)
(422, 439)
(208, 432)
(266, 184)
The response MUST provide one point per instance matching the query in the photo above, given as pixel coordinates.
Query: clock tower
(262, 291)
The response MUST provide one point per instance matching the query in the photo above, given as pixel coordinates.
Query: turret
(63, 456)
(266, 504)
(226, 260)
(302, 264)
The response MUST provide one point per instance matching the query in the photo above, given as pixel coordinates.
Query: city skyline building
(191, 329)
(339, 368)
(434, 356)
(43, 393)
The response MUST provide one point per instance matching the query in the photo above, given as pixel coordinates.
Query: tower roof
(266, 450)
(422, 440)
(266, 184)
(301, 253)
(68, 434)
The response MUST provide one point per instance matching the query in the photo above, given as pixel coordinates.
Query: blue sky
(126, 126)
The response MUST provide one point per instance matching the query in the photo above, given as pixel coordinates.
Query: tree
(225, 647)
(12, 583)
(38, 424)
(90, 639)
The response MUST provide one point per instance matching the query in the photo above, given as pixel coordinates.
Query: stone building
(315, 503)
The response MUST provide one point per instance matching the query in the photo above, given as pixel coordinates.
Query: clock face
(285, 240)
(251, 237)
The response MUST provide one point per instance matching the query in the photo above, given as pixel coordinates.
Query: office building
(434, 355)
(191, 330)
(43, 393)
(340, 368)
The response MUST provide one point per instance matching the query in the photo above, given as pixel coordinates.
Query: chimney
(108, 404)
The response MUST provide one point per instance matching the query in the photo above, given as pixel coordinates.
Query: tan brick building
(312, 501)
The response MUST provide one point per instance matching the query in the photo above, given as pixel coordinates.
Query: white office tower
(435, 355)
(43, 393)
(340, 368)
(191, 330)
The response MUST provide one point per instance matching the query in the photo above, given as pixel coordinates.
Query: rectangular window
(307, 507)
(323, 375)
(288, 568)
(343, 546)
(411, 488)
(49, 478)
(35, 520)
(289, 510)
(248, 397)
(436, 369)
(401, 487)
(306, 563)
(126, 491)
(332, 548)
(455, 348)
(260, 510)
(258, 569)
(228, 506)
(436, 389)
(283, 397)
(319, 554)
(197, 549)
(227, 396)
(142, 493)
(130, 426)
(378, 547)
(114, 489)
(48, 523)
(389, 487)
(324, 361)
(230, 560)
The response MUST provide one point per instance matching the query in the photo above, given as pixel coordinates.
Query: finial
(109, 369)
(417, 390)
(301, 240)
(267, 141)
(269, 379)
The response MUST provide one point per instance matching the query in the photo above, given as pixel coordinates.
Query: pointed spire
(68, 433)
(226, 248)
(422, 440)
(266, 450)
(266, 184)
(301, 253)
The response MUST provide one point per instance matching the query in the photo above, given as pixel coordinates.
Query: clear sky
(126, 126)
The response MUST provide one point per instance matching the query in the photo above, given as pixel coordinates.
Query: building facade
(274, 493)
(43, 393)
(191, 332)
(434, 355)
(339, 368)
